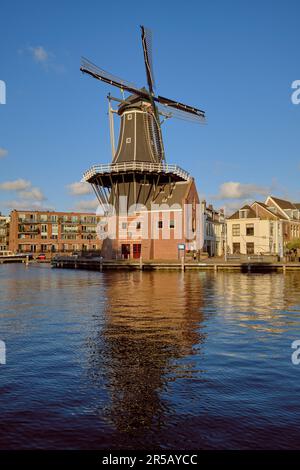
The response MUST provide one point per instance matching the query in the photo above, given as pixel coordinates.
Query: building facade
(263, 228)
(52, 232)
(164, 230)
(214, 230)
(250, 232)
(4, 232)
(289, 212)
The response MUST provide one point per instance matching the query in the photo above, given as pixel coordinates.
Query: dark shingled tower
(140, 134)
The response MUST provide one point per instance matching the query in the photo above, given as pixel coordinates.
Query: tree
(293, 245)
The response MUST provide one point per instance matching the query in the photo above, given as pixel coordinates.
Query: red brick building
(164, 230)
(52, 232)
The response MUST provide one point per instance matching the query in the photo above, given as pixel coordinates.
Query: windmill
(138, 169)
(159, 105)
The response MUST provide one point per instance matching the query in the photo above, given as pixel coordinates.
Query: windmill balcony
(135, 166)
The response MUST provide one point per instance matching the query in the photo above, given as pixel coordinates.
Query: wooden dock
(14, 259)
(97, 264)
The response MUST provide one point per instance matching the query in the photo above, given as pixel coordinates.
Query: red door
(137, 250)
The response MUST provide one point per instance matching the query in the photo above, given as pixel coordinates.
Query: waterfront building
(290, 214)
(52, 232)
(263, 228)
(214, 230)
(161, 230)
(4, 232)
(152, 208)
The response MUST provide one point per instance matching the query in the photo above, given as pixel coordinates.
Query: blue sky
(235, 59)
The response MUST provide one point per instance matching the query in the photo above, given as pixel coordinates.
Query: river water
(148, 360)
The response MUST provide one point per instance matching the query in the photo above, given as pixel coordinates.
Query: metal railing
(135, 166)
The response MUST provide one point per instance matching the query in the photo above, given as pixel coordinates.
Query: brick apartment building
(51, 232)
(4, 232)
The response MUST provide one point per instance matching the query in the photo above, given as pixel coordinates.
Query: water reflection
(148, 360)
(258, 301)
(152, 331)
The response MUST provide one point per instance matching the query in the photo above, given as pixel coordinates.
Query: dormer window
(244, 213)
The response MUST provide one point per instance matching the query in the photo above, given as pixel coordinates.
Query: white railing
(135, 166)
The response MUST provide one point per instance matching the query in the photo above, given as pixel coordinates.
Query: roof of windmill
(133, 101)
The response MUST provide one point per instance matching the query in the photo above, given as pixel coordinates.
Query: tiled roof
(251, 213)
(283, 204)
(267, 208)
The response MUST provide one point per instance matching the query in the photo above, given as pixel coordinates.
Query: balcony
(134, 166)
(27, 221)
(29, 230)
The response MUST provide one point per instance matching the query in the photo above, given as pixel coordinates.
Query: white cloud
(233, 206)
(26, 205)
(79, 188)
(33, 193)
(16, 185)
(87, 206)
(28, 196)
(236, 190)
(3, 152)
(43, 57)
(39, 53)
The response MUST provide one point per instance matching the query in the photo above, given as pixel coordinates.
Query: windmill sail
(183, 108)
(170, 112)
(88, 67)
(147, 49)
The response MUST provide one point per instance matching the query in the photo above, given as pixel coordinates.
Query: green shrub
(293, 245)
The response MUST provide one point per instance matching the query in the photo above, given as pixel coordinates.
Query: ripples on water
(148, 360)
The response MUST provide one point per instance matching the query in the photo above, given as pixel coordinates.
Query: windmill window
(128, 140)
(129, 117)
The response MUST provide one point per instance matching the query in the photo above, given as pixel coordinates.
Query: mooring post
(27, 261)
(182, 263)
(141, 263)
(215, 268)
(284, 269)
(101, 264)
